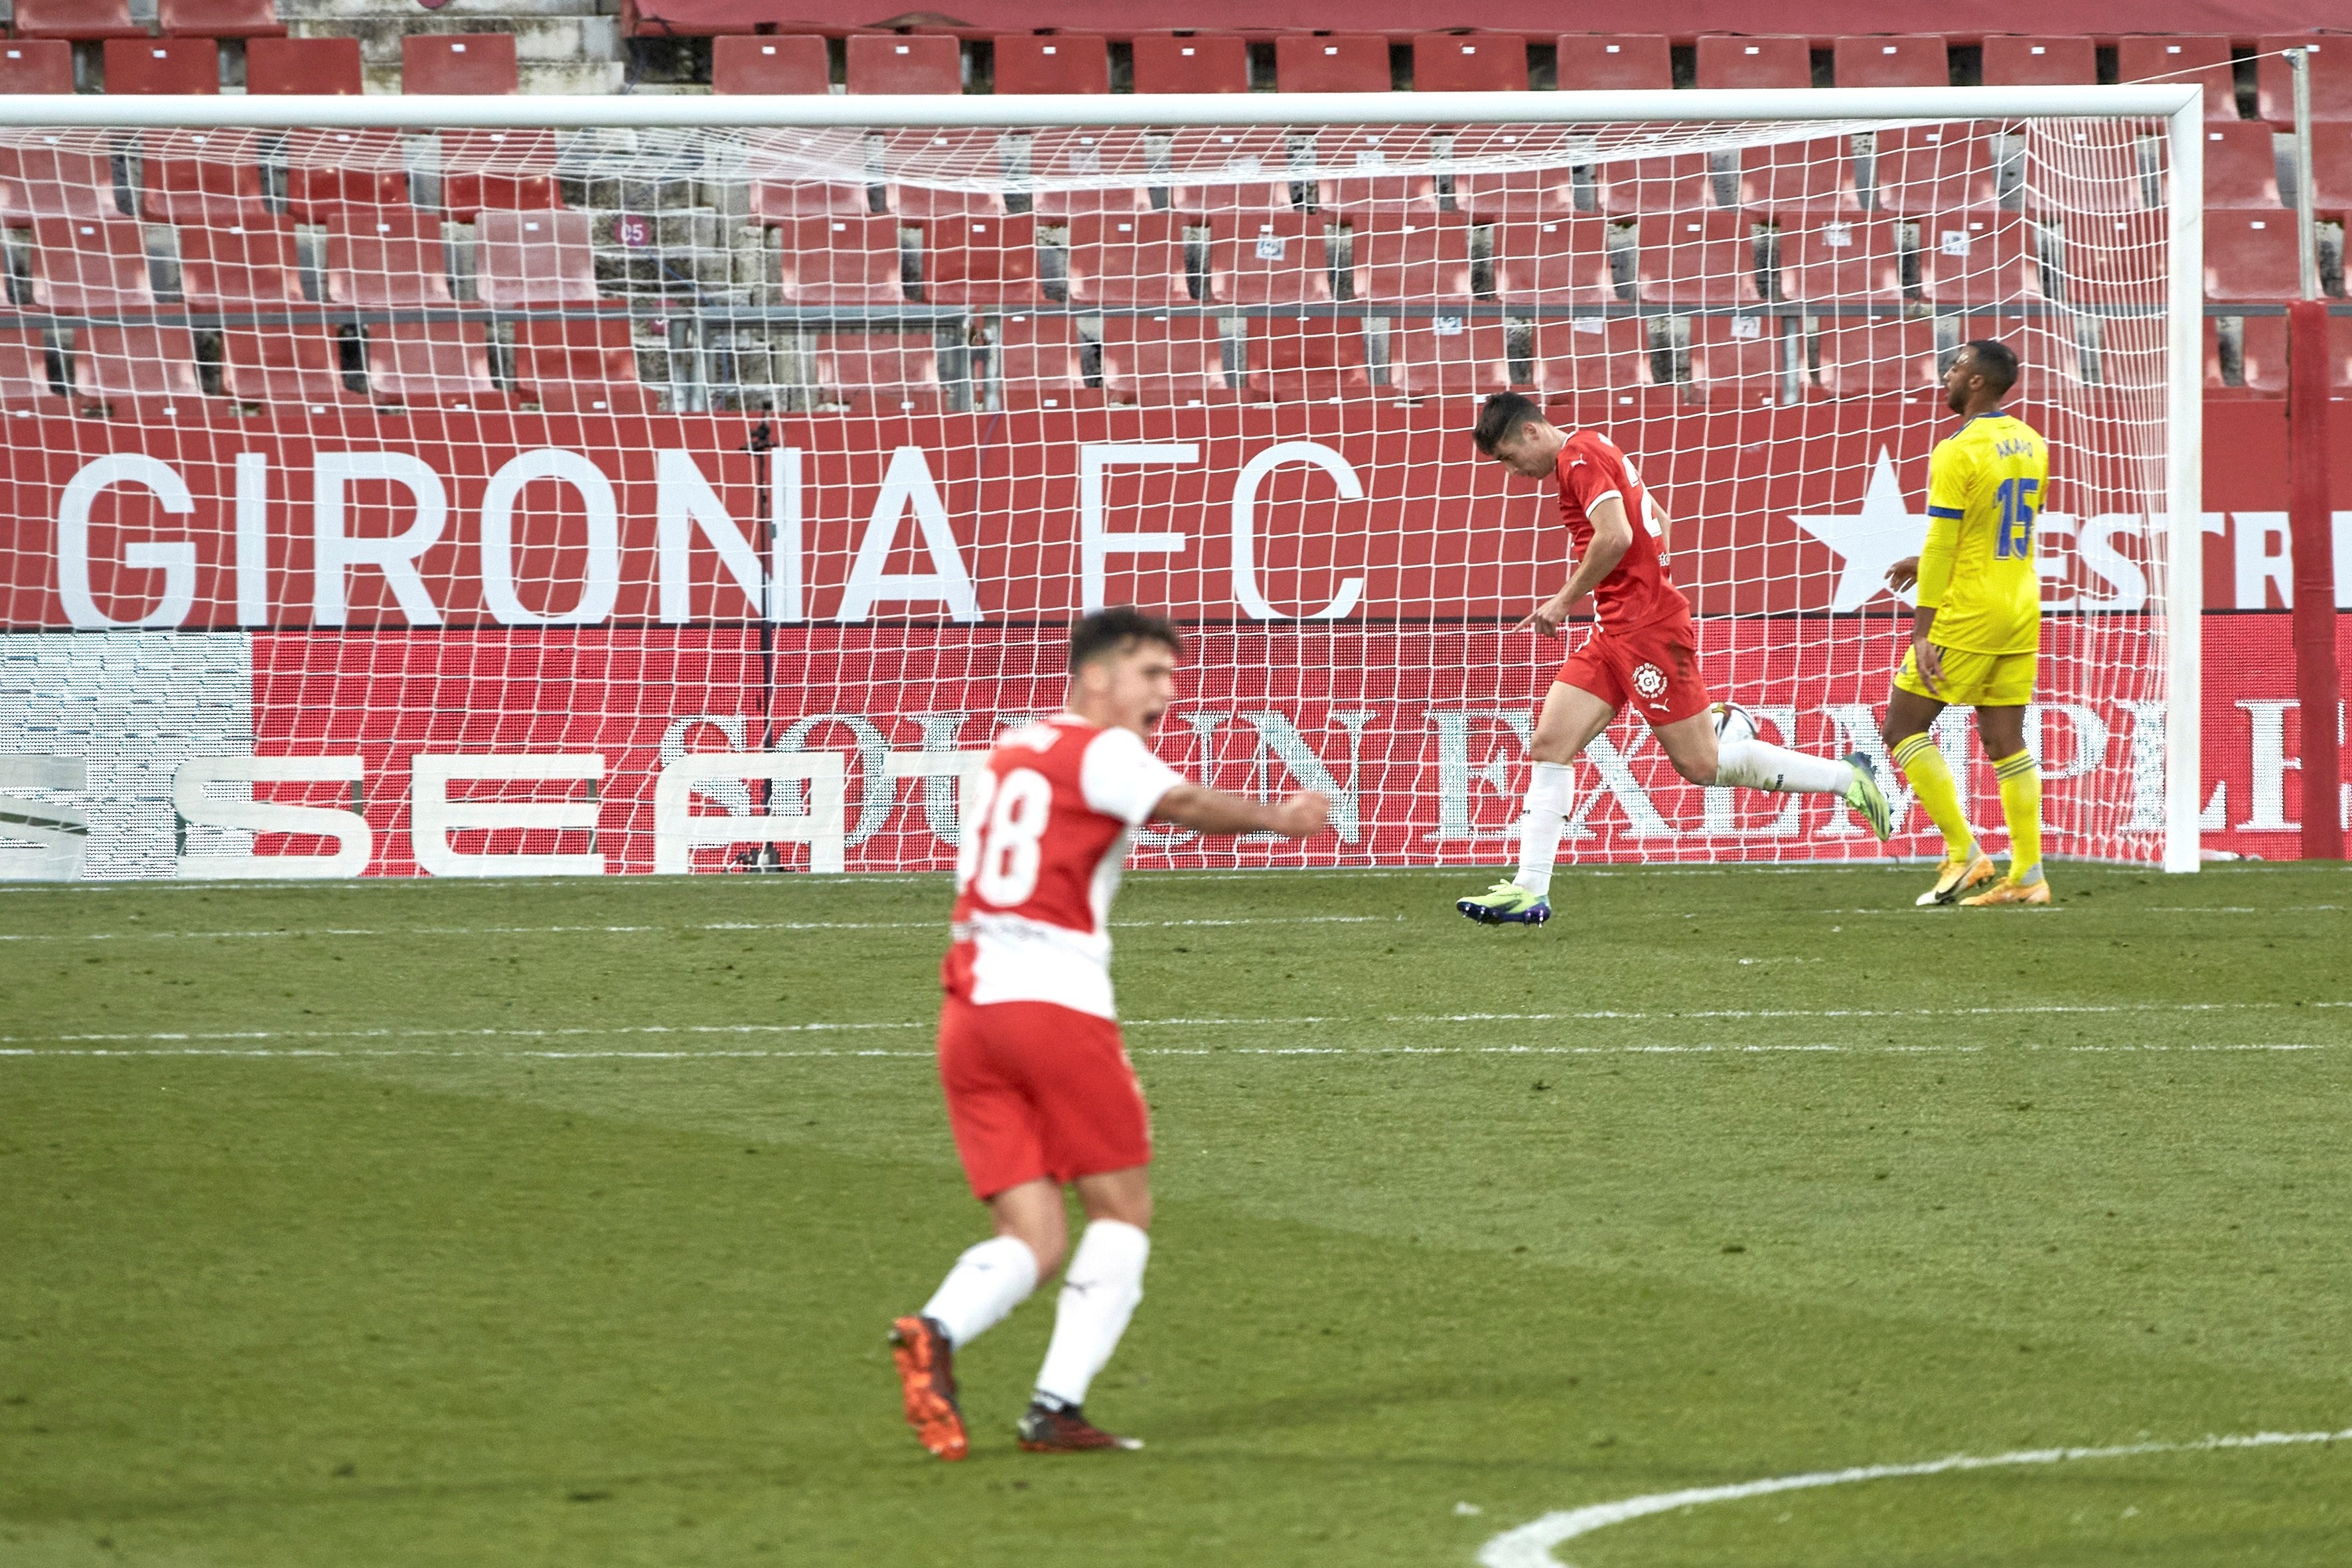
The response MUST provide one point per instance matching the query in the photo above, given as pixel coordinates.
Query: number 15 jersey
(1987, 485)
(1055, 808)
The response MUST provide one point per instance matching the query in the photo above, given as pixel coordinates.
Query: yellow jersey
(1987, 483)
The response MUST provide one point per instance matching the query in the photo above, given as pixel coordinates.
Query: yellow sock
(2021, 803)
(1931, 781)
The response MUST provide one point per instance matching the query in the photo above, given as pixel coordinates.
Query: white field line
(1530, 1545)
(939, 925)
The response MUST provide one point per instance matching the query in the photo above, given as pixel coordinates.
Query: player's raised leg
(1720, 746)
(1100, 1291)
(1571, 717)
(1909, 714)
(2002, 730)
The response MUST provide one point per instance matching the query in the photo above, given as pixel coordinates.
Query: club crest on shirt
(1649, 680)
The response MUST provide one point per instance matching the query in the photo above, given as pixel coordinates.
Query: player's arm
(1612, 536)
(1947, 506)
(1207, 810)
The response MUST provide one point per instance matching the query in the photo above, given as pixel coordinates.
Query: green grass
(407, 1260)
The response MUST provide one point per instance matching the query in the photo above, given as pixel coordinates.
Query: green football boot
(1505, 904)
(1866, 797)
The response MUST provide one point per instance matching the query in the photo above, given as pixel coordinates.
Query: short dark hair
(1504, 413)
(1107, 631)
(1996, 361)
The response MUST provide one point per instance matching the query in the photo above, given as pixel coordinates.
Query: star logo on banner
(1870, 540)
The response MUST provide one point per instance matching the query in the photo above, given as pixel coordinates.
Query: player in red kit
(1642, 652)
(1040, 1093)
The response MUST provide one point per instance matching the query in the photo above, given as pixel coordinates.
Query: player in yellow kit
(1975, 637)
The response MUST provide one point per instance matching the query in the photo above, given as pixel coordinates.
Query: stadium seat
(1800, 177)
(1696, 258)
(914, 161)
(885, 373)
(2331, 169)
(1306, 359)
(2075, 166)
(386, 256)
(2106, 258)
(1331, 62)
(1934, 169)
(1842, 261)
(1591, 354)
(1270, 258)
(2261, 361)
(2012, 60)
(988, 260)
(330, 171)
(114, 362)
(1164, 361)
(282, 365)
(534, 257)
(1127, 259)
(1375, 189)
(1614, 62)
(915, 62)
(36, 65)
(1415, 258)
(1739, 361)
(90, 265)
(430, 361)
(2051, 350)
(1229, 173)
(1516, 194)
(2250, 256)
(202, 177)
(218, 19)
(788, 63)
(1037, 363)
(23, 369)
(1554, 262)
(1730, 60)
(144, 66)
(1917, 59)
(2140, 58)
(846, 260)
(1477, 62)
(1051, 62)
(240, 265)
(2241, 168)
(1085, 154)
(780, 201)
(1197, 62)
(594, 397)
(277, 67)
(1877, 357)
(45, 177)
(2331, 78)
(80, 20)
(501, 169)
(1448, 356)
(1982, 257)
(1629, 188)
(574, 353)
(457, 63)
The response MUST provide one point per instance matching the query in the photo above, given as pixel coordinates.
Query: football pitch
(447, 1223)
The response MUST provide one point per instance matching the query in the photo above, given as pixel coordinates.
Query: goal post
(514, 461)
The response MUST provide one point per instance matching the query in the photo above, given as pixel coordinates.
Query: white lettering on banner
(175, 558)
(678, 832)
(433, 816)
(1279, 739)
(602, 587)
(1642, 817)
(1869, 540)
(1244, 527)
(2148, 764)
(1095, 544)
(963, 766)
(2094, 547)
(873, 759)
(2250, 538)
(730, 793)
(684, 501)
(2053, 534)
(909, 484)
(1454, 773)
(59, 833)
(354, 841)
(2086, 748)
(252, 538)
(2267, 763)
(395, 555)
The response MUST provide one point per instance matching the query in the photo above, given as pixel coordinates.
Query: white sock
(988, 1281)
(1759, 765)
(1552, 795)
(1099, 1292)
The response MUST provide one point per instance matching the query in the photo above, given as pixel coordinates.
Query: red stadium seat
(2170, 56)
(1163, 361)
(2110, 259)
(1129, 259)
(240, 265)
(1516, 194)
(534, 257)
(1270, 258)
(1308, 359)
(1878, 60)
(841, 261)
(276, 66)
(90, 265)
(1800, 177)
(2331, 77)
(780, 201)
(884, 374)
(1696, 258)
(2262, 359)
(53, 175)
(169, 409)
(1877, 356)
(329, 172)
(503, 169)
(921, 166)
(1078, 154)
(386, 256)
(2053, 350)
(1375, 189)
(1934, 169)
(593, 397)
(1230, 172)
(113, 363)
(1842, 261)
(1591, 354)
(1631, 187)
(1037, 363)
(2331, 169)
(915, 62)
(1447, 356)
(80, 20)
(431, 361)
(789, 63)
(24, 370)
(1477, 62)
(1982, 257)
(573, 352)
(1739, 361)
(1331, 62)
(1554, 262)
(143, 66)
(218, 19)
(2075, 166)
(1414, 258)
(1730, 60)
(282, 365)
(1196, 62)
(986, 260)
(2252, 256)
(2242, 169)
(201, 178)
(1051, 62)
(36, 65)
(2010, 60)
(457, 63)
(1614, 62)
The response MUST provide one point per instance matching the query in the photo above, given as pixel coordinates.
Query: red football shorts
(1652, 669)
(1035, 1090)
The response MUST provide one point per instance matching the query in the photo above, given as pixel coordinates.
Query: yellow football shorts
(1974, 680)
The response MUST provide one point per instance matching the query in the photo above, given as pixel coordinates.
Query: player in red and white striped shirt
(1040, 1093)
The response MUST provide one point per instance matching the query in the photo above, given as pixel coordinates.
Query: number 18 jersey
(1056, 807)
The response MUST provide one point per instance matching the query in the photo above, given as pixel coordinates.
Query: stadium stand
(1875, 357)
(1928, 171)
(280, 66)
(1308, 359)
(551, 358)
(1696, 258)
(219, 19)
(160, 65)
(327, 172)
(92, 264)
(1590, 354)
(917, 62)
(240, 266)
(845, 259)
(444, 362)
(1850, 261)
(300, 366)
(49, 182)
(1413, 257)
(1486, 62)
(2250, 256)
(1918, 60)
(1554, 262)
(2331, 78)
(79, 20)
(1739, 360)
(534, 257)
(114, 363)
(2242, 166)
(507, 169)
(2331, 169)
(1799, 177)
(1655, 185)
(1164, 360)
(1200, 62)
(1255, 161)
(386, 255)
(780, 201)
(1524, 194)
(1127, 259)
(25, 371)
(468, 63)
(1331, 62)
(1602, 62)
(793, 63)
(2205, 60)
(1371, 192)
(206, 178)
(984, 260)
(2013, 60)
(1448, 356)
(1971, 258)
(1276, 258)
(887, 371)
(1039, 364)
(1762, 61)
(36, 65)
(1055, 62)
